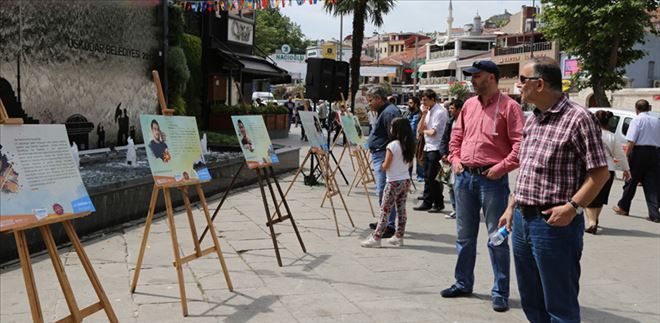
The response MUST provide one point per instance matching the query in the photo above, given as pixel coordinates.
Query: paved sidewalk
(337, 280)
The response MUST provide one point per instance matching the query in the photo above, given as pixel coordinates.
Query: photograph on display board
(173, 149)
(353, 131)
(254, 140)
(313, 130)
(38, 177)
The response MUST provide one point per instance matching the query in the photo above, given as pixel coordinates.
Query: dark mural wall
(85, 61)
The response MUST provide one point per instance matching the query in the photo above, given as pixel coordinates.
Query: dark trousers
(432, 189)
(644, 168)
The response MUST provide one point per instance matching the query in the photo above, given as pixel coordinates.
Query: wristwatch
(578, 208)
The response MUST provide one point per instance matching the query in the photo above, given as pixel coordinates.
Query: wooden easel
(364, 171)
(265, 173)
(76, 314)
(183, 188)
(331, 186)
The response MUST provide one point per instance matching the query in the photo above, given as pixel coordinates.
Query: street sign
(286, 49)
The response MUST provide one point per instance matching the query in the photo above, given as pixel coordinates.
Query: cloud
(407, 16)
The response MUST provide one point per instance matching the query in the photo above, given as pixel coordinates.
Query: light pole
(377, 49)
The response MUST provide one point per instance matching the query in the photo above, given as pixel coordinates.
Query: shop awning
(255, 67)
(438, 66)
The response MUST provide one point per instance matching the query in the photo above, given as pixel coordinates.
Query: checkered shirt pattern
(558, 148)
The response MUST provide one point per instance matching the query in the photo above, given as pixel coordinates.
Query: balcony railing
(526, 48)
(437, 80)
(441, 54)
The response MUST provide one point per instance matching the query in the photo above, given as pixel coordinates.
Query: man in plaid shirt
(562, 168)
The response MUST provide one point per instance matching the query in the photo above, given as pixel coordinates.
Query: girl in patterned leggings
(398, 158)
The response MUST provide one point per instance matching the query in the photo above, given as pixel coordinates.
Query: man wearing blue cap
(483, 150)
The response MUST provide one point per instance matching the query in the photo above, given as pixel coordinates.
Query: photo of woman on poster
(157, 144)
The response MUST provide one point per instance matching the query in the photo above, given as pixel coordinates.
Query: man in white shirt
(432, 125)
(644, 157)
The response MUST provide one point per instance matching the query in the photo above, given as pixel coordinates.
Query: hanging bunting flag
(300, 2)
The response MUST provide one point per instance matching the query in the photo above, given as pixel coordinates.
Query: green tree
(459, 91)
(363, 11)
(602, 33)
(273, 30)
(192, 49)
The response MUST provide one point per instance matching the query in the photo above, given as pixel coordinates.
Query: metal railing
(437, 80)
(525, 48)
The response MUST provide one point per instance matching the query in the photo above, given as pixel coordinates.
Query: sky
(407, 16)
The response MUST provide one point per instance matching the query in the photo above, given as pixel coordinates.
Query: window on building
(474, 46)
(651, 71)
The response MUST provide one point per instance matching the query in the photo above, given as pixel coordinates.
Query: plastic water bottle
(498, 236)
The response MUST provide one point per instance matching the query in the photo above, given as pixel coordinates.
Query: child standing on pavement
(398, 157)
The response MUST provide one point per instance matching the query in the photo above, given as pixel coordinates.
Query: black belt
(477, 170)
(536, 211)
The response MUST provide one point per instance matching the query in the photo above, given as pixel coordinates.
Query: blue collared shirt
(644, 130)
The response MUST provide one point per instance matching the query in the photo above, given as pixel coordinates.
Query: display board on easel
(40, 185)
(176, 162)
(319, 150)
(260, 155)
(358, 152)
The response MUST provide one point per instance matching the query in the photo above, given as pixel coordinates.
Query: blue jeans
(474, 193)
(377, 159)
(547, 262)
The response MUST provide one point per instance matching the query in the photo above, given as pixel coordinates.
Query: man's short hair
(429, 94)
(548, 69)
(377, 92)
(642, 105)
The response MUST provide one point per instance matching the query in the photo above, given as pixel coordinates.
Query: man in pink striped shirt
(483, 150)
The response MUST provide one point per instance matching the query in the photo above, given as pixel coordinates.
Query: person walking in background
(399, 155)
(290, 105)
(454, 110)
(562, 167)
(644, 156)
(306, 107)
(378, 140)
(433, 120)
(613, 152)
(322, 111)
(413, 114)
(483, 149)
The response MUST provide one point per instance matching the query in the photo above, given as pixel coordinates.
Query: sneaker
(420, 179)
(370, 243)
(373, 225)
(395, 241)
(451, 215)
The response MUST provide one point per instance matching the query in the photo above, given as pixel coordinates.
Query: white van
(620, 123)
(264, 96)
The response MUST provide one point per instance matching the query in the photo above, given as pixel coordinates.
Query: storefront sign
(290, 57)
(571, 67)
(330, 51)
(240, 32)
(509, 59)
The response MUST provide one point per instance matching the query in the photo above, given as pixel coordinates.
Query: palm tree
(362, 10)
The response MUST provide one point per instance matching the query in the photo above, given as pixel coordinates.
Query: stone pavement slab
(336, 280)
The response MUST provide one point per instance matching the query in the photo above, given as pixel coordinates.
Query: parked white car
(264, 96)
(620, 123)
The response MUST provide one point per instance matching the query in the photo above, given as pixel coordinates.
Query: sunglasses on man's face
(524, 79)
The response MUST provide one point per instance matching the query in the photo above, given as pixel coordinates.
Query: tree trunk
(358, 37)
(599, 92)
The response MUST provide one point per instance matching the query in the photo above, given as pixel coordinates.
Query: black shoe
(436, 209)
(423, 207)
(373, 226)
(454, 291)
(388, 233)
(500, 304)
(420, 198)
(653, 219)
